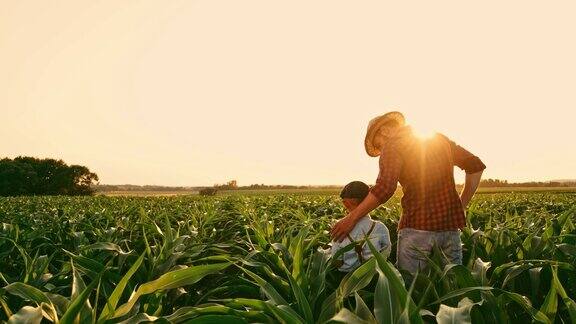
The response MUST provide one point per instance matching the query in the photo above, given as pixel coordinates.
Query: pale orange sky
(201, 92)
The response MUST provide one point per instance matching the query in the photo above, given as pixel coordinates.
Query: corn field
(259, 259)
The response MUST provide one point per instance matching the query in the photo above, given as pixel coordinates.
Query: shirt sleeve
(334, 248)
(387, 244)
(465, 160)
(382, 242)
(390, 168)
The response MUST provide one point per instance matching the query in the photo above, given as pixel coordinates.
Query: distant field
(145, 193)
(223, 192)
(528, 189)
(313, 191)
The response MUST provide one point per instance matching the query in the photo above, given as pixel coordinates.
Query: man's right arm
(470, 186)
(472, 165)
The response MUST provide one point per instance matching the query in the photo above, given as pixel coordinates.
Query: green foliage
(31, 176)
(259, 259)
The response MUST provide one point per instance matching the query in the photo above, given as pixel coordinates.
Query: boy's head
(353, 194)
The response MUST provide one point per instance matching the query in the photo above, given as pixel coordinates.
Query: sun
(422, 128)
(424, 133)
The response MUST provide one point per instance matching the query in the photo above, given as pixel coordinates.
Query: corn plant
(261, 259)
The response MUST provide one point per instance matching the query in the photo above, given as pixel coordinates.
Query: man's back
(376, 232)
(424, 168)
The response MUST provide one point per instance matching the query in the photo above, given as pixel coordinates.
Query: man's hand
(464, 202)
(342, 228)
(346, 224)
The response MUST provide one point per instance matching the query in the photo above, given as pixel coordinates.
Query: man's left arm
(386, 184)
(346, 224)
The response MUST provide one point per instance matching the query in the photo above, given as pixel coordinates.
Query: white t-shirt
(380, 238)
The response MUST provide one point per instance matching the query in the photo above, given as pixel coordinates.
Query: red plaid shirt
(425, 170)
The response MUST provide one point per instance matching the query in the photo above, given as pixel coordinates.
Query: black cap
(355, 189)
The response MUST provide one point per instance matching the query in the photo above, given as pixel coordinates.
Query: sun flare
(423, 132)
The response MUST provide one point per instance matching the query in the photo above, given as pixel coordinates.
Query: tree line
(496, 183)
(24, 175)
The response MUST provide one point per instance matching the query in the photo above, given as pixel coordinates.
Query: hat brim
(374, 127)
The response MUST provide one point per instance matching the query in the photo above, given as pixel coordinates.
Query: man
(433, 212)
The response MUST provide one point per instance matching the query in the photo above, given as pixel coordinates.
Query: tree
(16, 178)
(230, 185)
(33, 176)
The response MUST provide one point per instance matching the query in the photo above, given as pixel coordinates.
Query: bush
(208, 192)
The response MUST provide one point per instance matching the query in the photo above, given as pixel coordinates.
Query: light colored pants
(415, 245)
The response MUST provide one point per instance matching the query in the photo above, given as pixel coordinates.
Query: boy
(352, 195)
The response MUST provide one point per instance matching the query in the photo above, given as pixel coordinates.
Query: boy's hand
(342, 228)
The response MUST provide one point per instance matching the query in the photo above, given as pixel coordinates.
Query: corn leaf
(170, 280)
(27, 315)
(110, 306)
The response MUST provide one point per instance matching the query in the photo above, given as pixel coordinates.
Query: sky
(193, 93)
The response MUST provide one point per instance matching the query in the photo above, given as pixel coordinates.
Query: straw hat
(374, 126)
